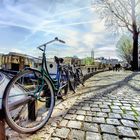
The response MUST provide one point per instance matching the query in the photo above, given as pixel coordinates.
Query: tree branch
(119, 16)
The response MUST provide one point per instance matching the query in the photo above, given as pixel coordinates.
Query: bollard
(2, 126)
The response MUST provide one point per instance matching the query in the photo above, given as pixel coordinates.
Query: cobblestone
(115, 107)
(88, 119)
(91, 136)
(126, 108)
(96, 109)
(108, 110)
(81, 112)
(100, 114)
(138, 124)
(108, 129)
(86, 108)
(117, 104)
(110, 137)
(70, 116)
(62, 132)
(94, 105)
(117, 111)
(76, 135)
(72, 111)
(90, 127)
(89, 113)
(114, 115)
(63, 122)
(138, 118)
(104, 106)
(129, 117)
(138, 133)
(128, 123)
(54, 138)
(130, 113)
(129, 139)
(113, 121)
(74, 124)
(98, 120)
(80, 117)
(125, 131)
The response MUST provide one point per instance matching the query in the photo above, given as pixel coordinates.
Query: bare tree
(125, 48)
(125, 14)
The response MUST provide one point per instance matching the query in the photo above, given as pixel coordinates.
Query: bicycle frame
(44, 70)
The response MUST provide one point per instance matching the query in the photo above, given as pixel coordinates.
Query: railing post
(2, 126)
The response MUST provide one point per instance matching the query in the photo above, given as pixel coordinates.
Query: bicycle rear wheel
(80, 76)
(28, 101)
(64, 84)
(72, 83)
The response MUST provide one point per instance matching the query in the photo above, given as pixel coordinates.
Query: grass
(136, 114)
(124, 110)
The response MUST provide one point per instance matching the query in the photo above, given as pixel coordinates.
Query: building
(16, 61)
(112, 61)
(92, 54)
(72, 60)
(107, 61)
(1, 60)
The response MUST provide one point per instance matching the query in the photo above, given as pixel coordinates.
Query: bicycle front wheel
(28, 101)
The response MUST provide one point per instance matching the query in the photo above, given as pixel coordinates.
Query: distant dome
(75, 56)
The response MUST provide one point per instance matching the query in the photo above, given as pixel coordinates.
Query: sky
(25, 24)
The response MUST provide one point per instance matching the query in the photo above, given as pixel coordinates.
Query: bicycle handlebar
(55, 39)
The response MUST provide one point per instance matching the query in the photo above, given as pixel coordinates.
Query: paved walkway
(107, 108)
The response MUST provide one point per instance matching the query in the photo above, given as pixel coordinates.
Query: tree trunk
(135, 52)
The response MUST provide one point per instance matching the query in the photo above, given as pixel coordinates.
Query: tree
(88, 61)
(125, 48)
(125, 14)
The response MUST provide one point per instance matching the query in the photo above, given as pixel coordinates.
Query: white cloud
(107, 51)
(74, 21)
(98, 26)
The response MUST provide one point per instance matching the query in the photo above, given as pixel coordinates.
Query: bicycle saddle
(58, 60)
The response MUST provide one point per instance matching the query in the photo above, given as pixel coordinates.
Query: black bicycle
(78, 76)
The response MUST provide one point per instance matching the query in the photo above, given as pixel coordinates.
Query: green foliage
(88, 61)
(125, 49)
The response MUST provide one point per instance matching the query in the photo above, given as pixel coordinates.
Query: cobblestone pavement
(107, 108)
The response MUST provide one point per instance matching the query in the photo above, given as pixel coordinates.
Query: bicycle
(71, 77)
(29, 97)
(78, 76)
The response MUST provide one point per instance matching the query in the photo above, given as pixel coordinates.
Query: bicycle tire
(80, 76)
(64, 78)
(72, 84)
(33, 125)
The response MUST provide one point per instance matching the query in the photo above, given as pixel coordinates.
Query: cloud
(74, 21)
